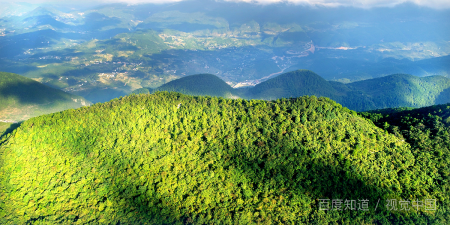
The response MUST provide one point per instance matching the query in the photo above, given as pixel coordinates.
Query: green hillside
(22, 98)
(400, 90)
(427, 130)
(293, 84)
(199, 84)
(168, 158)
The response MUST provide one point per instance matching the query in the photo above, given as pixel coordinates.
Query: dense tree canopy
(168, 158)
(427, 130)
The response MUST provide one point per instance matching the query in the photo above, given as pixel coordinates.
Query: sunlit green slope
(22, 98)
(427, 130)
(168, 158)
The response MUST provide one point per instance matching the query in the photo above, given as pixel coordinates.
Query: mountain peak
(199, 84)
(294, 84)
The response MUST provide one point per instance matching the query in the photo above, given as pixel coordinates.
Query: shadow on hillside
(318, 180)
(32, 92)
(8, 130)
(330, 185)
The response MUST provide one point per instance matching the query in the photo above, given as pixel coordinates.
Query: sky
(436, 4)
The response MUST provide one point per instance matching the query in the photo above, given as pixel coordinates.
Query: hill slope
(293, 84)
(397, 90)
(199, 84)
(168, 158)
(427, 130)
(400, 90)
(22, 98)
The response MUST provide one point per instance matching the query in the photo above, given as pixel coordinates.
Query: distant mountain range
(22, 98)
(112, 49)
(397, 90)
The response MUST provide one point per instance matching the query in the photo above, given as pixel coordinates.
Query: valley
(149, 50)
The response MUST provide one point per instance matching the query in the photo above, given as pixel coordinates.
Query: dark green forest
(169, 158)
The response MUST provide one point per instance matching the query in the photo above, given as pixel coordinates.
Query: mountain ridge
(396, 90)
(293, 84)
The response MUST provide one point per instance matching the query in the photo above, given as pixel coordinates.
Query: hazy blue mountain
(241, 43)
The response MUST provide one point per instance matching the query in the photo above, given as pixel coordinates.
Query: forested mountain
(400, 90)
(22, 98)
(427, 130)
(168, 158)
(200, 84)
(397, 90)
(293, 84)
